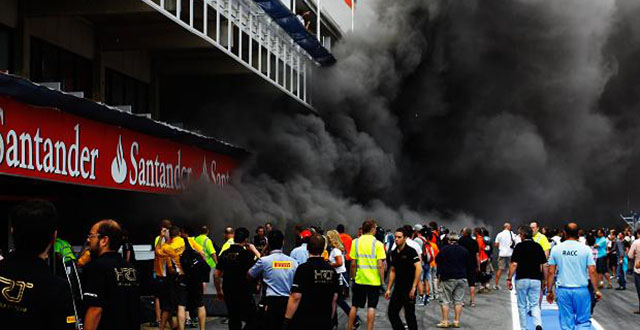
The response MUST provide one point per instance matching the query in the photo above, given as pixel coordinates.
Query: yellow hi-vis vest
(366, 251)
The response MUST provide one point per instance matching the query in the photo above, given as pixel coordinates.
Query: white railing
(242, 30)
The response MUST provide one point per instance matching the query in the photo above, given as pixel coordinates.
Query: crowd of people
(326, 271)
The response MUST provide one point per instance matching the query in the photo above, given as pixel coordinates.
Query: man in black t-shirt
(32, 297)
(467, 242)
(314, 293)
(232, 268)
(526, 261)
(405, 274)
(111, 288)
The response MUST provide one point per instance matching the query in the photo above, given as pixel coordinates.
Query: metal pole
(218, 21)
(229, 26)
(319, 3)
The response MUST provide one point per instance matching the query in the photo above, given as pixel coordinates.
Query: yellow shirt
(366, 250)
(160, 263)
(543, 241)
(174, 250)
(226, 245)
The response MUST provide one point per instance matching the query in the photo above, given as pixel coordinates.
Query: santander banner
(49, 144)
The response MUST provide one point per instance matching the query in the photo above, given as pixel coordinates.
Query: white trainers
(496, 287)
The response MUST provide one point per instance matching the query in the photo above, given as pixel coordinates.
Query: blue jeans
(528, 293)
(574, 307)
(622, 280)
(636, 278)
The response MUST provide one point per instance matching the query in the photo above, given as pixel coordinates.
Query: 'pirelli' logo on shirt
(282, 265)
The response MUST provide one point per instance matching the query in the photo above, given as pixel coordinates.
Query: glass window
(124, 90)
(50, 63)
(5, 49)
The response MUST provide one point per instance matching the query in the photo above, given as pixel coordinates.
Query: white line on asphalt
(596, 325)
(515, 318)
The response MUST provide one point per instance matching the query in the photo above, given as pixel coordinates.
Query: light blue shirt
(277, 270)
(602, 246)
(301, 254)
(572, 259)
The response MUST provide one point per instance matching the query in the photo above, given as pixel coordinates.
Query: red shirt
(483, 255)
(346, 240)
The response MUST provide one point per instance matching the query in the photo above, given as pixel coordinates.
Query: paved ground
(494, 312)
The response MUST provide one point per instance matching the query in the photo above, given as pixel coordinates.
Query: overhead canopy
(290, 23)
(28, 92)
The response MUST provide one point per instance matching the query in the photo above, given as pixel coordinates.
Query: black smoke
(477, 111)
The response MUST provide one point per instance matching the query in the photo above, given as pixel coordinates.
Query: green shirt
(208, 249)
(63, 248)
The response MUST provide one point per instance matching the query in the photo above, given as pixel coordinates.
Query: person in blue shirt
(575, 266)
(301, 254)
(601, 263)
(277, 270)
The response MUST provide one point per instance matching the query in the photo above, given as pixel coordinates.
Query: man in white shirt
(505, 242)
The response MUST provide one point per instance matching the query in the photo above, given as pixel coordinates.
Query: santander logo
(119, 165)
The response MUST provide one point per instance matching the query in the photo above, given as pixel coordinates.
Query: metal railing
(242, 30)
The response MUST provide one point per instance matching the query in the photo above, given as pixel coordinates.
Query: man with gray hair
(526, 262)
(453, 264)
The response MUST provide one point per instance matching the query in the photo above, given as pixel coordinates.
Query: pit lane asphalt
(493, 311)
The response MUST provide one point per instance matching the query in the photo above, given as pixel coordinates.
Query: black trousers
(240, 307)
(400, 299)
(274, 310)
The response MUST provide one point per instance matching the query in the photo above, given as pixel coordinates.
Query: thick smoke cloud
(468, 112)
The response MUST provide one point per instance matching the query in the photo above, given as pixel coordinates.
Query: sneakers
(356, 324)
(496, 287)
(190, 324)
(621, 288)
(443, 324)
(455, 324)
(154, 324)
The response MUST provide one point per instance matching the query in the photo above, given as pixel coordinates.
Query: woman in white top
(336, 260)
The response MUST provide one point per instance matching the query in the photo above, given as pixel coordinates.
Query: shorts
(601, 265)
(368, 294)
(503, 263)
(613, 260)
(189, 293)
(453, 291)
(425, 272)
(472, 277)
(167, 293)
(156, 286)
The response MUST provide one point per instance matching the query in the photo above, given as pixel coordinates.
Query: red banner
(49, 144)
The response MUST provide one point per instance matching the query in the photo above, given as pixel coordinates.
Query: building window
(124, 90)
(6, 48)
(50, 63)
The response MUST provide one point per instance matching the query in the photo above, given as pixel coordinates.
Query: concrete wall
(135, 64)
(9, 12)
(73, 34)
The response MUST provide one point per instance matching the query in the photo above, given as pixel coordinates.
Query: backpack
(193, 265)
(424, 244)
(427, 253)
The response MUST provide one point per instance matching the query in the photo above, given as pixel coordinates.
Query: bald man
(505, 242)
(111, 288)
(575, 265)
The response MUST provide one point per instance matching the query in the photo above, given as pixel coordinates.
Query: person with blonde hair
(337, 261)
